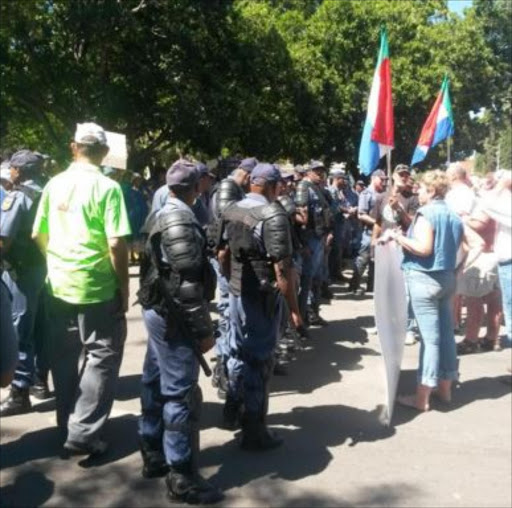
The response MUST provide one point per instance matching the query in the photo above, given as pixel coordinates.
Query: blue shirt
(160, 198)
(448, 231)
(16, 220)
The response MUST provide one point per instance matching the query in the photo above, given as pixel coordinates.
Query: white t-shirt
(499, 208)
(461, 199)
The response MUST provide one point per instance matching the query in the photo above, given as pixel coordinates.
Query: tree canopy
(275, 79)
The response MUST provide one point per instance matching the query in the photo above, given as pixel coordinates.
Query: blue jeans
(431, 294)
(505, 275)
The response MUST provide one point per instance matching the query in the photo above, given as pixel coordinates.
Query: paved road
(335, 452)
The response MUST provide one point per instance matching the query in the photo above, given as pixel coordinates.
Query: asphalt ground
(335, 453)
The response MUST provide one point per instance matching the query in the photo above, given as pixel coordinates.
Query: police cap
(182, 173)
(264, 172)
(26, 160)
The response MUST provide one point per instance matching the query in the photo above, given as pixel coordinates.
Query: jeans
(311, 269)
(430, 294)
(505, 275)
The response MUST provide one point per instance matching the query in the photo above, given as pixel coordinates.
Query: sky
(459, 5)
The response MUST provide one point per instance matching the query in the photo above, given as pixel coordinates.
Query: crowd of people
(268, 241)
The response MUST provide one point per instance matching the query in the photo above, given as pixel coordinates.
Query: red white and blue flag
(439, 125)
(378, 132)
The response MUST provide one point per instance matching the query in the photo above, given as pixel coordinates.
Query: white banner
(390, 316)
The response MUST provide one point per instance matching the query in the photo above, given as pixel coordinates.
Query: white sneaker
(410, 339)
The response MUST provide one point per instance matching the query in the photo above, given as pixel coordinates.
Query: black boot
(40, 389)
(153, 458)
(315, 319)
(256, 436)
(231, 414)
(17, 403)
(186, 485)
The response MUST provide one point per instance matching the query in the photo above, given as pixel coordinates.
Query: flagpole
(448, 144)
(388, 161)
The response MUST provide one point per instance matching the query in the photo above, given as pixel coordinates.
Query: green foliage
(275, 79)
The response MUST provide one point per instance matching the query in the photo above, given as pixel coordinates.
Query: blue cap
(264, 172)
(182, 172)
(25, 159)
(286, 175)
(248, 164)
(202, 170)
(316, 165)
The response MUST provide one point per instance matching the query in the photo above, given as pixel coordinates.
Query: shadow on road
(30, 488)
(308, 433)
(120, 433)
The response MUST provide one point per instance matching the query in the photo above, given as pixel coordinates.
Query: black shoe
(257, 437)
(153, 459)
(280, 369)
(189, 487)
(359, 292)
(231, 414)
(17, 403)
(94, 448)
(40, 390)
(316, 320)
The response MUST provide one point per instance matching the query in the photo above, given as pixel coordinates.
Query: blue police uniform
(169, 378)
(25, 272)
(175, 289)
(313, 263)
(257, 239)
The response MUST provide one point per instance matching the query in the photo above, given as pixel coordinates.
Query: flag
(378, 132)
(439, 125)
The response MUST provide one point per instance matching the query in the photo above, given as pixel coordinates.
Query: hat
(264, 172)
(286, 175)
(5, 174)
(90, 134)
(402, 168)
(360, 182)
(299, 168)
(336, 172)
(183, 173)
(25, 159)
(379, 173)
(316, 165)
(202, 170)
(248, 164)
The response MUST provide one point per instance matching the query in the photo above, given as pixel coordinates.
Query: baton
(204, 364)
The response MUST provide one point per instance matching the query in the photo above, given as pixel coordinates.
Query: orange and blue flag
(378, 132)
(439, 125)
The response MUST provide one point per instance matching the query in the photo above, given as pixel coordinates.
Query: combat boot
(17, 403)
(315, 319)
(153, 458)
(231, 414)
(256, 436)
(186, 485)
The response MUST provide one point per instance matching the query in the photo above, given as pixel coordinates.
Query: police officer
(315, 209)
(260, 268)
(201, 207)
(176, 285)
(25, 270)
(231, 189)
